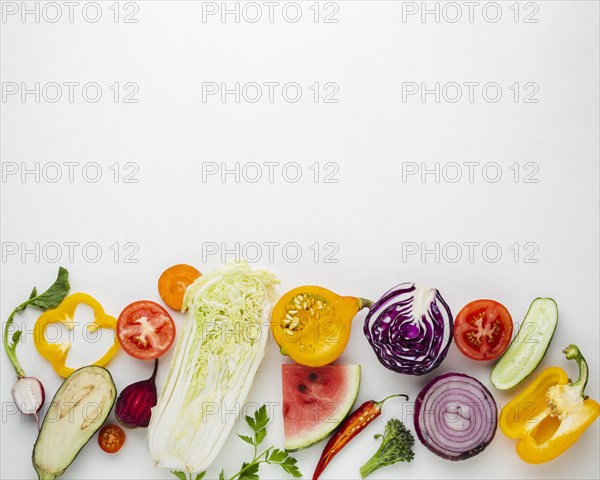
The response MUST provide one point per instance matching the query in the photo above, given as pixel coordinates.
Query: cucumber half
(77, 411)
(529, 346)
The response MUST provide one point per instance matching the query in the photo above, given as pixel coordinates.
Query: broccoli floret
(397, 446)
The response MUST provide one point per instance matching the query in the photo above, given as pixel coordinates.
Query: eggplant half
(77, 411)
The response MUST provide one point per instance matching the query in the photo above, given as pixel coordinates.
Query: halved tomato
(173, 283)
(111, 438)
(145, 330)
(483, 329)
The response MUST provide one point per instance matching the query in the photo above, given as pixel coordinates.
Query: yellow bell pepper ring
(551, 413)
(56, 353)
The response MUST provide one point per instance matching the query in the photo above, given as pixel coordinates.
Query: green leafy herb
(51, 298)
(183, 476)
(249, 471)
(396, 446)
(270, 456)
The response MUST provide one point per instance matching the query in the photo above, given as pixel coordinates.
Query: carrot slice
(173, 282)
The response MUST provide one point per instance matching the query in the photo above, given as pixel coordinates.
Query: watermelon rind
(325, 429)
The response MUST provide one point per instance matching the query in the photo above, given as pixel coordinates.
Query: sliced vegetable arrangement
(221, 346)
(551, 413)
(312, 324)
(455, 416)
(222, 343)
(410, 329)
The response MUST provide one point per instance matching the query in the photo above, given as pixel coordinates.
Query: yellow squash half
(312, 324)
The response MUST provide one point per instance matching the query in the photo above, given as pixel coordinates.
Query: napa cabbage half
(220, 347)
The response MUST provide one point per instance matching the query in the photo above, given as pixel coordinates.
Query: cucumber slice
(78, 409)
(529, 346)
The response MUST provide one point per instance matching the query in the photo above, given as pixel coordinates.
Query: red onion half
(455, 416)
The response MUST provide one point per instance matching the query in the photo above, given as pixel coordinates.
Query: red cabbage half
(410, 329)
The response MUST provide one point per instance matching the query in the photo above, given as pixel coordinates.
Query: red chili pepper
(351, 427)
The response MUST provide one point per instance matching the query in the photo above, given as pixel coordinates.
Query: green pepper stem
(572, 352)
(11, 350)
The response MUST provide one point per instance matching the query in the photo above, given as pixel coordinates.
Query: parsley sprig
(270, 456)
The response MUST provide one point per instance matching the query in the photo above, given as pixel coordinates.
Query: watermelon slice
(315, 401)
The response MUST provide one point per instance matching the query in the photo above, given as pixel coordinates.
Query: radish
(28, 392)
(28, 395)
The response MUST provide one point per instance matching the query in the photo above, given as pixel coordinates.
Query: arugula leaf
(52, 297)
(179, 475)
(33, 293)
(222, 475)
(200, 476)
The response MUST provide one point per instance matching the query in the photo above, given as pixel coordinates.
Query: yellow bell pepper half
(551, 413)
(56, 353)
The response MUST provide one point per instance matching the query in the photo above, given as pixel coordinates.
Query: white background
(171, 214)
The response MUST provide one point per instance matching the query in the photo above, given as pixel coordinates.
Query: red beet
(134, 405)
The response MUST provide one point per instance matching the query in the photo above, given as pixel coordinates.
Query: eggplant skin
(79, 408)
